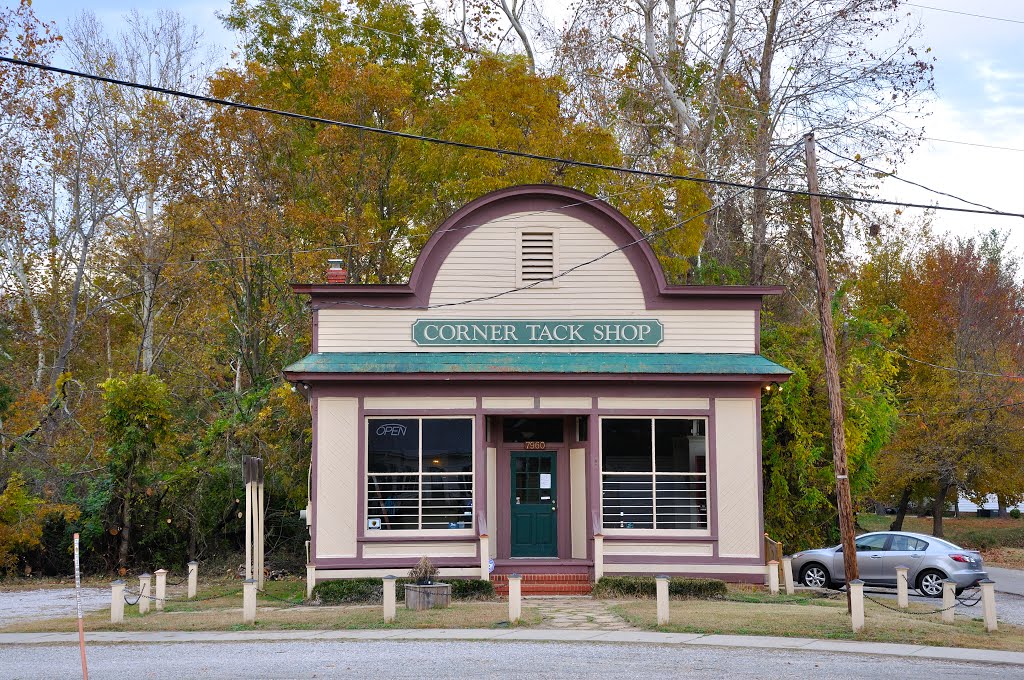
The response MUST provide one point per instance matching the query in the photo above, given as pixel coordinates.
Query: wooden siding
(736, 459)
(655, 550)
(484, 264)
(336, 479)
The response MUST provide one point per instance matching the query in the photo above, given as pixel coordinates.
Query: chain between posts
(139, 596)
(965, 601)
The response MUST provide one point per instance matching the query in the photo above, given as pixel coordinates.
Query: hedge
(645, 587)
(371, 590)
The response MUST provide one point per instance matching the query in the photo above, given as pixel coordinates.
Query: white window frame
(655, 531)
(397, 533)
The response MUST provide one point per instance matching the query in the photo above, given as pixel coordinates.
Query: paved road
(1007, 580)
(438, 660)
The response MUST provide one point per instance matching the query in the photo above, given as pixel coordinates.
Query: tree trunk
(762, 148)
(938, 508)
(901, 511)
(126, 531)
(1004, 512)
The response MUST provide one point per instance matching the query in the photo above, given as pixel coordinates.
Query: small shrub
(1015, 513)
(646, 587)
(424, 571)
(371, 590)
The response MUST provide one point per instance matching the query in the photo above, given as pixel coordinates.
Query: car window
(946, 545)
(872, 542)
(907, 544)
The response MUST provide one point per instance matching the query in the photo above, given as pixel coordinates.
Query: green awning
(648, 363)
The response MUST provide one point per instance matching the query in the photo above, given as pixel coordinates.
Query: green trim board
(538, 362)
(538, 332)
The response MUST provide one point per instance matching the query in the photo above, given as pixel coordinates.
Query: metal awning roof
(571, 363)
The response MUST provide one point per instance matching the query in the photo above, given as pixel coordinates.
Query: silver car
(930, 560)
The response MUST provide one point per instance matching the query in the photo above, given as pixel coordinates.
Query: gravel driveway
(48, 603)
(438, 660)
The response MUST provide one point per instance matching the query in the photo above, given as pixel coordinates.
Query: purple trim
(562, 200)
(680, 559)
(616, 538)
(362, 480)
(503, 496)
(727, 577)
(711, 465)
(563, 493)
(594, 509)
(480, 475)
(313, 408)
(533, 565)
(396, 562)
(478, 389)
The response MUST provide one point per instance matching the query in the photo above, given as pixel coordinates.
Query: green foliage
(1015, 513)
(370, 590)
(22, 518)
(646, 587)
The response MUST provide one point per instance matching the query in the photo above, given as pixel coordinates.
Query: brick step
(544, 578)
(546, 584)
(546, 589)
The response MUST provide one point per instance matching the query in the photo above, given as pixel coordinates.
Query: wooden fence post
(144, 583)
(390, 608)
(117, 602)
(902, 595)
(249, 601)
(661, 587)
(857, 604)
(161, 589)
(515, 603)
(787, 575)
(988, 603)
(948, 600)
(193, 578)
(773, 577)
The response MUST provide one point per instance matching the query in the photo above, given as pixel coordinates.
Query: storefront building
(535, 400)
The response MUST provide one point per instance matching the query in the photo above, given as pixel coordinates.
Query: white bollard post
(117, 602)
(787, 575)
(857, 604)
(249, 601)
(773, 577)
(515, 595)
(485, 557)
(988, 603)
(161, 589)
(144, 583)
(902, 596)
(598, 557)
(310, 580)
(193, 578)
(661, 585)
(390, 609)
(948, 600)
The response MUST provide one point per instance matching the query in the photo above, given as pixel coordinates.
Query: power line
(965, 14)
(964, 410)
(951, 369)
(977, 144)
(494, 150)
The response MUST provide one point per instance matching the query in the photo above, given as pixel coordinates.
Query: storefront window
(654, 473)
(419, 473)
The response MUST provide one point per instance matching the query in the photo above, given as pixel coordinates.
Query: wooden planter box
(438, 595)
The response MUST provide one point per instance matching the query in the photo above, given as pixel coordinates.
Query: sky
(978, 103)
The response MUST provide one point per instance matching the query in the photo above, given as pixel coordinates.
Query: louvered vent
(537, 255)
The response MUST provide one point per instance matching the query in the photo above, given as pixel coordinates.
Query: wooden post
(249, 601)
(310, 580)
(390, 609)
(773, 577)
(248, 525)
(260, 532)
(144, 583)
(787, 575)
(856, 591)
(661, 587)
(117, 602)
(161, 589)
(485, 558)
(515, 603)
(598, 557)
(902, 596)
(988, 604)
(835, 400)
(948, 600)
(193, 578)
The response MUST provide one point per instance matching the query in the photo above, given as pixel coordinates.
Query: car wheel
(815, 576)
(929, 583)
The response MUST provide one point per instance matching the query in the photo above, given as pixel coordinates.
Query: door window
(872, 542)
(908, 544)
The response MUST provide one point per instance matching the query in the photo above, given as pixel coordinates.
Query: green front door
(533, 499)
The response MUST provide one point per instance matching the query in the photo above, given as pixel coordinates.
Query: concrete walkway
(533, 635)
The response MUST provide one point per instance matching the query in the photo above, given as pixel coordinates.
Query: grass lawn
(1001, 541)
(757, 613)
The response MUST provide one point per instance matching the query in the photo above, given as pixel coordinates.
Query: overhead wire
(965, 14)
(490, 149)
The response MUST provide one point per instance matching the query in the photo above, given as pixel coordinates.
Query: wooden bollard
(310, 580)
(390, 608)
(661, 590)
(161, 589)
(787, 575)
(902, 596)
(988, 604)
(144, 583)
(193, 578)
(117, 602)
(857, 604)
(948, 600)
(485, 557)
(515, 598)
(598, 557)
(773, 577)
(249, 600)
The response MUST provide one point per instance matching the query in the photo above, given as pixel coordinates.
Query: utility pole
(835, 399)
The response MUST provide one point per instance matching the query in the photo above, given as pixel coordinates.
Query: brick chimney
(336, 272)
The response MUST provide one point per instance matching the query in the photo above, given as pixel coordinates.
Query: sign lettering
(524, 332)
(393, 429)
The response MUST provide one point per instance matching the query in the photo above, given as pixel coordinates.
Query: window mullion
(419, 494)
(654, 479)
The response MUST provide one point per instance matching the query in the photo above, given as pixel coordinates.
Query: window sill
(419, 535)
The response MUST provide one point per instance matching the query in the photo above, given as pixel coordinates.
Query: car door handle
(876, 557)
(915, 557)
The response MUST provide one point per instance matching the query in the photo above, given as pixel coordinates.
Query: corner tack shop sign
(524, 332)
